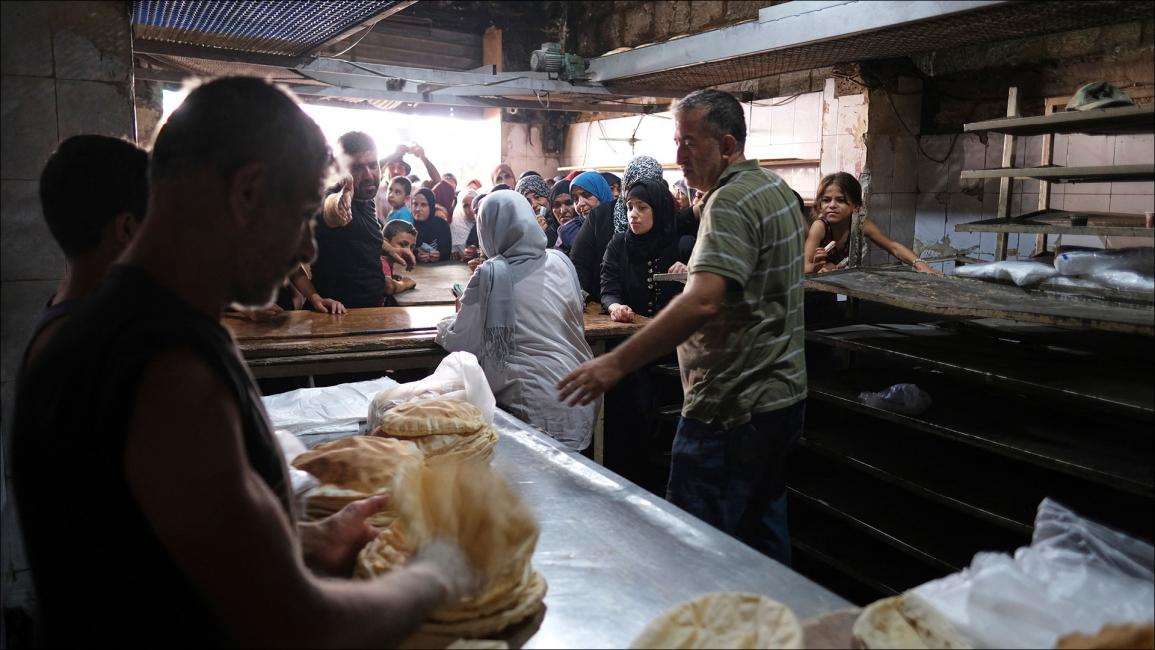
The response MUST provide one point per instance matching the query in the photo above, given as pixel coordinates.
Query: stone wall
(65, 69)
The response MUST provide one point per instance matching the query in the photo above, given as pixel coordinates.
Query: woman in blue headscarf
(521, 314)
(595, 201)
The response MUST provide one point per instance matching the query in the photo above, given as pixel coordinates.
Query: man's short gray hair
(723, 113)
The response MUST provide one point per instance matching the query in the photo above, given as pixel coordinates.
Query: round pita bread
(724, 620)
(905, 621)
(360, 465)
(425, 417)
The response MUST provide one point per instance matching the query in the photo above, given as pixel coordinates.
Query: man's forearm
(434, 175)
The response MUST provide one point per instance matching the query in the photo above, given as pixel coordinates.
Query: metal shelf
(1034, 442)
(1057, 174)
(1103, 121)
(1070, 375)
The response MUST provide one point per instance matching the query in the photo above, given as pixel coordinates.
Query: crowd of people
(132, 389)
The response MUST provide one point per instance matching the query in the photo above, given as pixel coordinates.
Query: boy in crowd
(400, 235)
(399, 190)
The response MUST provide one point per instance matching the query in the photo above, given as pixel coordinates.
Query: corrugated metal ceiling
(288, 28)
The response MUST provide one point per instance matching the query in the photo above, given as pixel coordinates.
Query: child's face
(397, 196)
(835, 205)
(404, 240)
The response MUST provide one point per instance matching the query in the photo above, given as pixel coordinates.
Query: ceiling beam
(593, 105)
(780, 27)
(366, 25)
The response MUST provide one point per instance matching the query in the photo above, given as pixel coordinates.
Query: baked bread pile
(356, 468)
(470, 505)
(445, 430)
(724, 620)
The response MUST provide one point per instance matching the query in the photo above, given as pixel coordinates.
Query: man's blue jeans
(733, 479)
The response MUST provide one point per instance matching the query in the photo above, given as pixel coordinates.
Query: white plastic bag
(332, 409)
(907, 399)
(1076, 576)
(1090, 263)
(459, 376)
(1024, 274)
(291, 447)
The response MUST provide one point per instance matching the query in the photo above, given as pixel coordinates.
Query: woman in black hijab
(650, 245)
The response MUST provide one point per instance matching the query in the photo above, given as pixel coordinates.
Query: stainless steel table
(616, 556)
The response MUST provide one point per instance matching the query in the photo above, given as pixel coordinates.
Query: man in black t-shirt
(153, 497)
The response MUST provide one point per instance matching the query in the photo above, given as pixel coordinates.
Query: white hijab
(513, 241)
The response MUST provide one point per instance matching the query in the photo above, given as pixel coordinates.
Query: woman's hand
(469, 253)
(474, 263)
(678, 267)
(423, 257)
(435, 256)
(620, 313)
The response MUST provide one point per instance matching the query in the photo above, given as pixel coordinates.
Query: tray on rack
(1059, 222)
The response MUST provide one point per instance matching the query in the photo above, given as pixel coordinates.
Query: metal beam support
(489, 84)
(363, 93)
(781, 27)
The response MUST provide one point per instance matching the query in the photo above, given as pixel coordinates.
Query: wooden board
(1058, 222)
(952, 296)
(434, 283)
(1103, 121)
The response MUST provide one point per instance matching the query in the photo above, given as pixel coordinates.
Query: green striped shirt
(749, 359)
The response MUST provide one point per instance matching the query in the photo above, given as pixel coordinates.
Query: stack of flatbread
(471, 505)
(724, 620)
(355, 468)
(905, 621)
(445, 430)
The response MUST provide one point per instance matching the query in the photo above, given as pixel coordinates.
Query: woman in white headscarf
(463, 219)
(521, 314)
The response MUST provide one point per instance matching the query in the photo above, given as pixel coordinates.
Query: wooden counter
(434, 283)
(383, 338)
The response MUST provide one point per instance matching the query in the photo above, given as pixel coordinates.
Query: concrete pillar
(65, 69)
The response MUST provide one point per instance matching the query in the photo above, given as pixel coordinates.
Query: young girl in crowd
(521, 314)
(649, 246)
(839, 197)
(401, 235)
(434, 240)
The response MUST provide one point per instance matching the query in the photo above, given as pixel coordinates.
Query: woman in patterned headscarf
(640, 168)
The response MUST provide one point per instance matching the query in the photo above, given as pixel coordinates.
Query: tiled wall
(66, 69)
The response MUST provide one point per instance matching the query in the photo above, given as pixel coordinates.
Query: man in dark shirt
(140, 415)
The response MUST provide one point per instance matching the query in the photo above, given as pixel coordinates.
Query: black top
(348, 265)
(101, 574)
(629, 279)
(589, 249)
(435, 231)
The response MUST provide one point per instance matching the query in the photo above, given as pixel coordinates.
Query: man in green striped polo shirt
(738, 328)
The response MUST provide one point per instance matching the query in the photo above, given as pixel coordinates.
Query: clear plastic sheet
(1076, 576)
(458, 376)
(331, 409)
(907, 399)
(1023, 274)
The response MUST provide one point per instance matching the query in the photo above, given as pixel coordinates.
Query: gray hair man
(738, 329)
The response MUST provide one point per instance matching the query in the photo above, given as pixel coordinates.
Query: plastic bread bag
(332, 409)
(291, 447)
(1076, 576)
(1089, 263)
(1023, 274)
(1121, 279)
(459, 376)
(907, 399)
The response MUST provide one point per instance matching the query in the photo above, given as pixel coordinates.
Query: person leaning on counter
(154, 500)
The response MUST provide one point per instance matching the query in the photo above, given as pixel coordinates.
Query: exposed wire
(357, 42)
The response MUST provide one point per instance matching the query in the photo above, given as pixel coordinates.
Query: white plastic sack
(1089, 263)
(1024, 274)
(1119, 279)
(459, 376)
(291, 447)
(1076, 576)
(332, 409)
